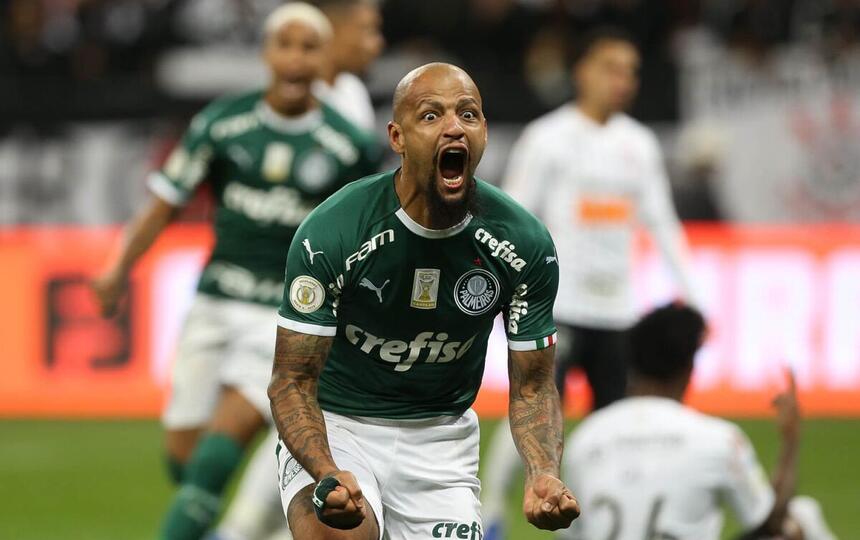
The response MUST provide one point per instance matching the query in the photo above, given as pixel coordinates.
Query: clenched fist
(548, 504)
(345, 505)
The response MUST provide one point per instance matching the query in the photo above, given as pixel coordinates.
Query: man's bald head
(440, 133)
(425, 77)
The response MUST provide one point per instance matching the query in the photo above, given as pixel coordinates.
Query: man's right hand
(788, 411)
(345, 505)
(109, 289)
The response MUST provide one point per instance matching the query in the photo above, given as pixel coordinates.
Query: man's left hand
(548, 504)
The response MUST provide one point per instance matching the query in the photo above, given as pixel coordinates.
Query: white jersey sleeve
(529, 171)
(189, 163)
(745, 488)
(657, 213)
(349, 97)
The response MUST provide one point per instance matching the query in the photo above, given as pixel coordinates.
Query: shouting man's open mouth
(452, 164)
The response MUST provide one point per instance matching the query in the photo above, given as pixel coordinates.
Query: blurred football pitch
(104, 480)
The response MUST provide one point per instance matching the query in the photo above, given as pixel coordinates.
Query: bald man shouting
(383, 333)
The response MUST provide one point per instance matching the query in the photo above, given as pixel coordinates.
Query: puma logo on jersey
(366, 283)
(552, 259)
(503, 250)
(434, 348)
(385, 237)
(311, 253)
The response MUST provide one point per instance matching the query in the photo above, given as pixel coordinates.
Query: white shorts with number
(419, 476)
(223, 343)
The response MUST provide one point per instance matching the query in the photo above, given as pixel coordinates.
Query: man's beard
(447, 214)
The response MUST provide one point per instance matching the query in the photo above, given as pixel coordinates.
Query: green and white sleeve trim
(164, 189)
(535, 344)
(305, 328)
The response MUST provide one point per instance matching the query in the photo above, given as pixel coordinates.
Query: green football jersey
(410, 308)
(267, 173)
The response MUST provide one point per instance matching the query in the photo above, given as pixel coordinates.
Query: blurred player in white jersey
(255, 511)
(649, 467)
(592, 174)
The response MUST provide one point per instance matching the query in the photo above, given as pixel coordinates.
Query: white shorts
(223, 343)
(419, 476)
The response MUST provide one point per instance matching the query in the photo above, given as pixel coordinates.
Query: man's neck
(277, 105)
(329, 73)
(598, 115)
(648, 387)
(414, 202)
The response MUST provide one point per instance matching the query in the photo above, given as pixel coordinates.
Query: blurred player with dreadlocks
(270, 156)
(255, 511)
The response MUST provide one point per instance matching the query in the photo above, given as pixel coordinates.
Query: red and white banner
(775, 297)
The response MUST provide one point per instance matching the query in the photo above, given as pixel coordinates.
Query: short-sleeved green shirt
(411, 309)
(267, 173)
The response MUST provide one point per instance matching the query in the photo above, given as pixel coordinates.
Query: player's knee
(791, 530)
(236, 417)
(180, 443)
(179, 446)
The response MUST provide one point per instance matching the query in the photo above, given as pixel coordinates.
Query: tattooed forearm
(299, 359)
(535, 411)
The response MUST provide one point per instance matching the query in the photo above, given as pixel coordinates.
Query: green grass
(105, 480)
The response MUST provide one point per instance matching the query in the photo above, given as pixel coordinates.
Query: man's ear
(395, 137)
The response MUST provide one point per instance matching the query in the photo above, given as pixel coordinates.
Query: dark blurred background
(95, 91)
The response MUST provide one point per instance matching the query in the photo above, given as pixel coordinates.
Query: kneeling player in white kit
(649, 467)
(383, 334)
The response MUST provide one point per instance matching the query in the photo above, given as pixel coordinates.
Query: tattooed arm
(299, 359)
(537, 429)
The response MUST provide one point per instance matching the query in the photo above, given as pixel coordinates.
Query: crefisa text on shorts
(453, 529)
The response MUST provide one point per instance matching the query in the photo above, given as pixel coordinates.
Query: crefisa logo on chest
(476, 291)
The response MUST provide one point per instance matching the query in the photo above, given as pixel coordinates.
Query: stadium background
(756, 102)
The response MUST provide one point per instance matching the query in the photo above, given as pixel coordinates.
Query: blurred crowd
(516, 49)
(84, 60)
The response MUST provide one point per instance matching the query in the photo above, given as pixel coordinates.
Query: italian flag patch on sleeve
(534, 345)
(548, 341)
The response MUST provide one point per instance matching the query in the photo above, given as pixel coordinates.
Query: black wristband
(321, 491)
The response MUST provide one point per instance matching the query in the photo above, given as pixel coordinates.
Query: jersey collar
(417, 228)
(575, 112)
(289, 124)
(433, 234)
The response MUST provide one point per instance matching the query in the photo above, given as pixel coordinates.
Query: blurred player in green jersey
(255, 509)
(270, 156)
